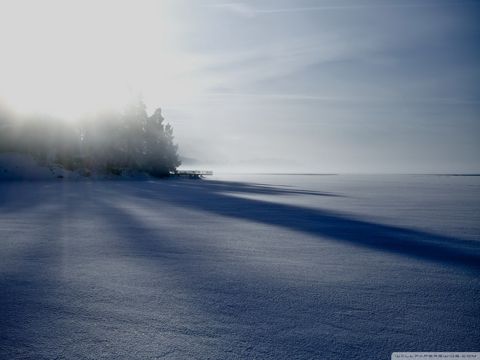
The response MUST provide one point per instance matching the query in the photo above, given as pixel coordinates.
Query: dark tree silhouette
(110, 142)
(161, 156)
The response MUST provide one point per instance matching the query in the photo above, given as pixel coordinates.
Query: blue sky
(327, 86)
(353, 86)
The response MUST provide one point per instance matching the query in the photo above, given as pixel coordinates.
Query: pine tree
(110, 142)
(161, 153)
(133, 125)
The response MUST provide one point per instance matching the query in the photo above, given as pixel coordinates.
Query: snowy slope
(14, 166)
(308, 268)
(22, 167)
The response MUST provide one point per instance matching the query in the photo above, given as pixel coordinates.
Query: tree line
(111, 142)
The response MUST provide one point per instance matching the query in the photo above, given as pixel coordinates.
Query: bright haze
(264, 86)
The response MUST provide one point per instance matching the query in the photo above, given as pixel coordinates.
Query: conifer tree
(114, 143)
(161, 153)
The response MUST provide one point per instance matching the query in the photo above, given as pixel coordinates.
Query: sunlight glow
(66, 57)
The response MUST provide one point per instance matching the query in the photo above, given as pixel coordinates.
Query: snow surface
(267, 267)
(23, 167)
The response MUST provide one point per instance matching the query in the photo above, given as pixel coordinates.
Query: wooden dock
(193, 174)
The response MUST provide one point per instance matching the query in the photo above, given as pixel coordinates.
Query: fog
(262, 86)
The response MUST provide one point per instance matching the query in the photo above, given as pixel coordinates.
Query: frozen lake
(240, 266)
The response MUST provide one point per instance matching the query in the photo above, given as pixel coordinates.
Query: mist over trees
(110, 143)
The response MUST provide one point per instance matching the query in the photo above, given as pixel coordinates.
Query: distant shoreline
(337, 174)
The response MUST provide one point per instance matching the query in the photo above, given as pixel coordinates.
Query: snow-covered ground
(20, 167)
(23, 167)
(267, 267)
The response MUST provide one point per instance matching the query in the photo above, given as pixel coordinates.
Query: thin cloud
(339, 99)
(237, 8)
(247, 10)
(280, 59)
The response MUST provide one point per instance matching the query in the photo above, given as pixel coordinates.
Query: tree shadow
(216, 186)
(25, 195)
(240, 316)
(29, 326)
(272, 319)
(215, 197)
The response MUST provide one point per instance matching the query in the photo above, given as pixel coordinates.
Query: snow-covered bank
(328, 268)
(14, 167)
(22, 167)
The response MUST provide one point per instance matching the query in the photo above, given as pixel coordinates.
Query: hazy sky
(328, 86)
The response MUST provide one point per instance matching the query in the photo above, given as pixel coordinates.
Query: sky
(363, 86)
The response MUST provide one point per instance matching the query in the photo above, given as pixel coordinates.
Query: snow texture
(267, 267)
(22, 167)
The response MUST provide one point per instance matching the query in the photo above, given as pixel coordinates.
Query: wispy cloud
(279, 59)
(345, 99)
(242, 9)
(249, 10)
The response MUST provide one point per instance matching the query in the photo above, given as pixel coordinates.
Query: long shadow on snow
(29, 326)
(268, 319)
(213, 196)
(247, 316)
(24, 195)
(261, 311)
